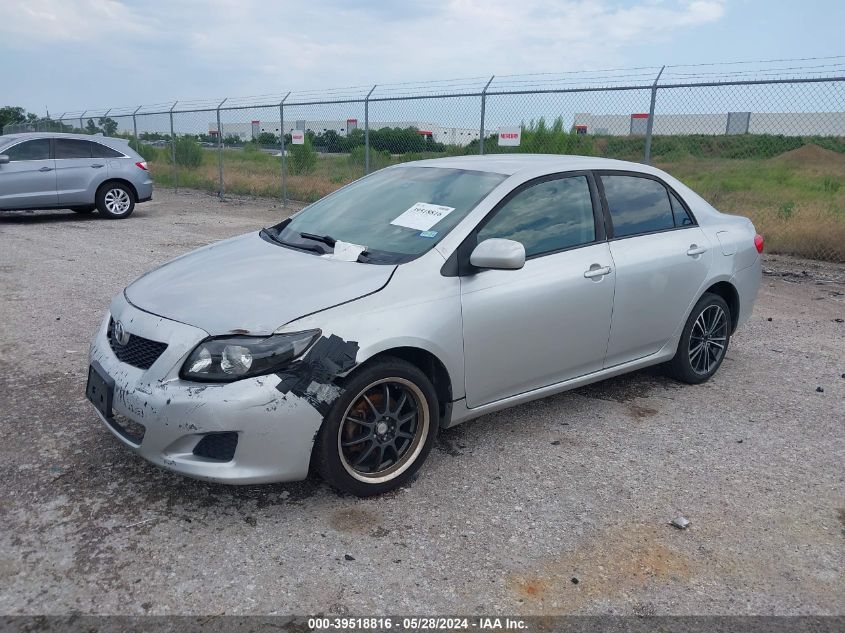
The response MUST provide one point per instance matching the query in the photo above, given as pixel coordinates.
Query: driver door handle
(694, 250)
(596, 271)
(97, 165)
(46, 169)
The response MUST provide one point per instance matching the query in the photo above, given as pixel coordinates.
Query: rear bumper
(144, 190)
(275, 431)
(747, 283)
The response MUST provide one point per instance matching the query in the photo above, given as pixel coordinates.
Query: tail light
(143, 165)
(758, 243)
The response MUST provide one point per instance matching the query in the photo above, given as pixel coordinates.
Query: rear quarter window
(682, 216)
(101, 151)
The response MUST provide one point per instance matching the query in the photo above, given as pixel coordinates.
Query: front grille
(218, 446)
(129, 429)
(139, 352)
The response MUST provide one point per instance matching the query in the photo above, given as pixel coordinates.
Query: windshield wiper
(304, 247)
(364, 257)
(325, 239)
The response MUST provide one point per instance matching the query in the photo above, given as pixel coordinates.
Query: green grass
(795, 200)
(258, 173)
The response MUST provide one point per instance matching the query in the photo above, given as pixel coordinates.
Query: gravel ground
(558, 506)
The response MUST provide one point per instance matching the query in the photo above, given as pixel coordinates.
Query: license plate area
(100, 390)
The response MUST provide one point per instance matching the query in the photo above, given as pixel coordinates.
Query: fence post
(650, 124)
(220, 148)
(282, 143)
(367, 131)
(61, 122)
(135, 130)
(483, 110)
(104, 117)
(81, 116)
(173, 151)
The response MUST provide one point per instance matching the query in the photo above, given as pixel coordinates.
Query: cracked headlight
(230, 358)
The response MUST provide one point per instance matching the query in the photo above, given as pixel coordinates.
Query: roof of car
(87, 137)
(510, 164)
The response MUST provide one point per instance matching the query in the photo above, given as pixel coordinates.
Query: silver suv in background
(72, 171)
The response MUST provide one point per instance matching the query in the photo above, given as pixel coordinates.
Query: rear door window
(637, 205)
(72, 148)
(36, 149)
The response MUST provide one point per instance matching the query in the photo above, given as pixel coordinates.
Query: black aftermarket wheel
(704, 341)
(379, 432)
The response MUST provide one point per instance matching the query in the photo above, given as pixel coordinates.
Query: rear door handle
(694, 250)
(46, 169)
(597, 271)
(97, 165)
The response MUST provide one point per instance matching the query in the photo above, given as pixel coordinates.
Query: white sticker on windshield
(346, 251)
(422, 216)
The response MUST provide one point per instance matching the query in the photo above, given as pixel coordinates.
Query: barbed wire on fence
(764, 138)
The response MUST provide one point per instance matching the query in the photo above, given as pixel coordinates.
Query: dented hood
(248, 285)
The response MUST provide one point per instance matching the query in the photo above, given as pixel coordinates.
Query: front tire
(380, 430)
(115, 201)
(704, 341)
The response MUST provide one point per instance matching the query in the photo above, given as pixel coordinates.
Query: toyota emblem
(120, 334)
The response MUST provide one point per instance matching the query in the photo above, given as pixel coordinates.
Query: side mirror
(498, 254)
(3, 159)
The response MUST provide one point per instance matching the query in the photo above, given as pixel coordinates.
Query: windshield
(7, 140)
(396, 214)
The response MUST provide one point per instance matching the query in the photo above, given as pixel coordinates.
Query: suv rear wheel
(115, 201)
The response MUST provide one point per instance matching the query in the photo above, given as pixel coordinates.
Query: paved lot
(508, 512)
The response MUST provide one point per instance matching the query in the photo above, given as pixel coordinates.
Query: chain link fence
(763, 139)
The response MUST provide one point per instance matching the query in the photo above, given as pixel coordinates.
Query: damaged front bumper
(242, 432)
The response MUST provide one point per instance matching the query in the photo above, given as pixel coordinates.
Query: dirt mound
(813, 156)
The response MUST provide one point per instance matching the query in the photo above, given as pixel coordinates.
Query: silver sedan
(414, 299)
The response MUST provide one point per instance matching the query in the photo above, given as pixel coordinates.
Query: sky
(65, 55)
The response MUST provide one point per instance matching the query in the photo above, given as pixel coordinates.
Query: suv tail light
(758, 242)
(142, 165)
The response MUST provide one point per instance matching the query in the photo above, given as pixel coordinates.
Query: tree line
(391, 139)
(15, 115)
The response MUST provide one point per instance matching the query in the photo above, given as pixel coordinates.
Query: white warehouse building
(247, 131)
(783, 123)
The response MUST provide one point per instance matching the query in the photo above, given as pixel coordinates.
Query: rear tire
(380, 430)
(704, 341)
(115, 201)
